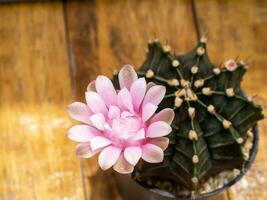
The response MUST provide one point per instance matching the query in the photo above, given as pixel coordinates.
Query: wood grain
(239, 28)
(105, 35)
(37, 160)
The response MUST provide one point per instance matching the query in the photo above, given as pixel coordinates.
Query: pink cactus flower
(230, 65)
(121, 125)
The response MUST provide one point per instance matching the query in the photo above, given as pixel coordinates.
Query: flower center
(126, 125)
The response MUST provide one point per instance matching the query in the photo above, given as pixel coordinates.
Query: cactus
(212, 116)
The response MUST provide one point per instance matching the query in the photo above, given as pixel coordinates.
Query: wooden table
(49, 51)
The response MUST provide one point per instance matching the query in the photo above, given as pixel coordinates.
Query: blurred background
(51, 50)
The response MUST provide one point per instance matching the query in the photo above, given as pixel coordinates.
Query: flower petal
(166, 115)
(138, 90)
(127, 76)
(106, 90)
(152, 153)
(96, 103)
(91, 86)
(158, 129)
(82, 133)
(108, 157)
(113, 112)
(99, 142)
(98, 121)
(139, 135)
(154, 95)
(148, 110)
(80, 112)
(122, 166)
(107, 127)
(84, 150)
(125, 100)
(126, 114)
(150, 85)
(161, 142)
(133, 154)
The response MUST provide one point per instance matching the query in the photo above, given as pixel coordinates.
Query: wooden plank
(104, 35)
(239, 28)
(37, 160)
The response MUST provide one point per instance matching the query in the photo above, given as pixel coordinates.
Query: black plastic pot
(131, 190)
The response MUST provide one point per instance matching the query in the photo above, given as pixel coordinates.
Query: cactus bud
(250, 133)
(242, 62)
(194, 69)
(211, 109)
(179, 93)
(216, 71)
(166, 48)
(194, 180)
(203, 39)
(175, 63)
(230, 65)
(230, 92)
(191, 112)
(200, 51)
(239, 140)
(115, 72)
(149, 73)
(173, 82)
(178, 102)
(207, 91)
(226, 124)
(195, 159)
(192, 135)
(184, 83)
(199, 83)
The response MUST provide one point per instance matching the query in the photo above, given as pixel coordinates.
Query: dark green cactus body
(212, 116)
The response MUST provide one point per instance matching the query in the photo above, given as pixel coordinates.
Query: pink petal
(161, 142)
(126, 114)
(122, 166)
(148, 110)
(113, 112)
(99, 142)
(82, 133)
(152, 153)
(125, 100)
(84, 150)
(139, 135)
(158, 129)
(127, 76)
(107, 127)
(98, 121)
(91, 86)
(154, 95)
(133, 154)
(106, 90)
(150, 85)
(96, 103)
(80, 112)
(166, 115)
(138, 90)
(108, 157)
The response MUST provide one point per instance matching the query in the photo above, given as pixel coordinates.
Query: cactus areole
(213, 118)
